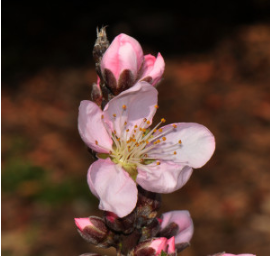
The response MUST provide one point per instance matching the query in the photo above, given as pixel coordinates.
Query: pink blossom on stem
(123, 64)
(159, 160)
(178, 224)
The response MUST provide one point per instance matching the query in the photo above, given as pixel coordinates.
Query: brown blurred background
(217, 73)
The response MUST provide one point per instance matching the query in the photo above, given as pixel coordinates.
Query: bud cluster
(139, 233)
(120, 65)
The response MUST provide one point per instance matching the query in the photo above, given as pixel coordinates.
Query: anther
(164, 138)
(174, 126)
(144, 119)
(158, 163)
(114, 115)
(163, 120)
(102, 116)
(160, 130)
(96, 142)
(179, 141)
(124, 107)
(174, 153)
(148, 122)
(156, 106)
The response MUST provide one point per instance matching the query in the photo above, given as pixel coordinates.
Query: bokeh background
(217, 73)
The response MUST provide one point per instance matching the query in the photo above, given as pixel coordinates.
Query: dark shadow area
(61, 33)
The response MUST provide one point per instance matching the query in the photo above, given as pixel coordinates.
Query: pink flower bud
(125, 225)
(94, 230)
(156, 246)
(123, 64)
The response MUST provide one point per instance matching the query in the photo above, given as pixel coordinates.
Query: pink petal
(91, 127)
(113, 186)
(140, 101)
(123, 53)
(171, 245)
(198, 143)
(154, 68)
(81, 223)
(164, 178)
(159, 244)
(184, 222)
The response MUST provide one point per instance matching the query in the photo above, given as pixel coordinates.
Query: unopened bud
(94, 230)
(124, 225)
(100, 47)
(96, 94)
(155, 246)
(147, 206)
(150, 230)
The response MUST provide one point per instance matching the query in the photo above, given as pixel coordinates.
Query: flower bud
(96, 94)
(123, 64)
(178, 224)
(100, 47)
(155, 246)
(150, 230)
(148, 205)
(124, 225)
(94, 230)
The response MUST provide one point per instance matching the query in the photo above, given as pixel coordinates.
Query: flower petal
(140, 101)
(166, 177)
(113, 186)
(91, 127)
(197, 147)
(153, 68)
(183, 221)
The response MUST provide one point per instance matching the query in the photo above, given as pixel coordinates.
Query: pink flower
(163, 244)
(178, 224)
(159, 160)
(123, 64)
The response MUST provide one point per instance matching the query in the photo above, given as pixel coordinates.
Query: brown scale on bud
(96, 232)
(96, 94)
(123, 225)
(147, 206)
(100, 47)
(150, 230)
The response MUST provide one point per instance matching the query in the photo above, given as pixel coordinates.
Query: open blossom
(123, 64)
(178, 224)
(159, 159)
